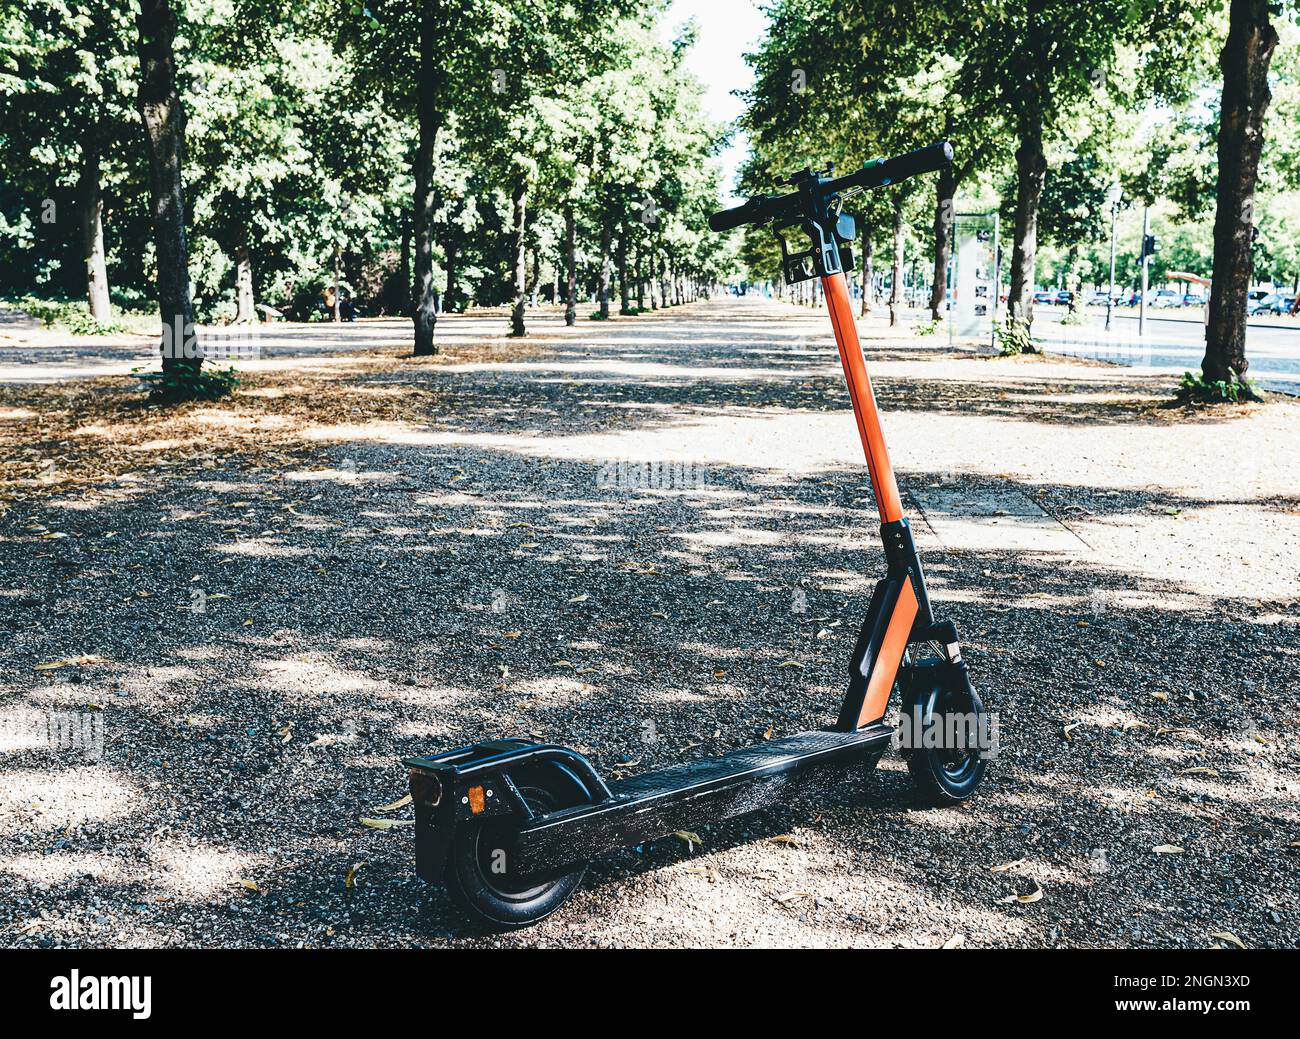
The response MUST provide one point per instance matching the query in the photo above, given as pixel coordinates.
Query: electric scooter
(509, 826)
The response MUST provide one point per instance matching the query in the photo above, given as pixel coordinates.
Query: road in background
(1174, 343)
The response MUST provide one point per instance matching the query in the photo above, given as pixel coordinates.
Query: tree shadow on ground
(645, 628)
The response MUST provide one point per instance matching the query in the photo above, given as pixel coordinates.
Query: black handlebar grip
(735, 217)
(924, 160)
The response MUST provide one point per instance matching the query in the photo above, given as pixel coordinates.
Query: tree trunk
(338, 296)
(534, 278)
(570, 266)
(624, 300)
(945, 189)
(1031, 174)
(451, 251)
(604, 265)
(1244, 61)
(896, 289)
(91, 204)
(868, 274)
(164, 125)
(402, 304)
(519, 257)
(864, 275)
(430, 122)
(663, 282)
(640, 281)
(244, 302)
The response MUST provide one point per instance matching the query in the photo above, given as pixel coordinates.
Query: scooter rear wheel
(478, 875)
(943, 775)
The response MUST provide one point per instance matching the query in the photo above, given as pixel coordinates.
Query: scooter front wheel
(944, 772)
(479, 876)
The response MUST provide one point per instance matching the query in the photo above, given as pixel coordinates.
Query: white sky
(727, 29)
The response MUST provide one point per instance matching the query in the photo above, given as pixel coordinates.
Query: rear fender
(442, 801)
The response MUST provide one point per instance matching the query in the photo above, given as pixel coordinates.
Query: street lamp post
(1113, 196)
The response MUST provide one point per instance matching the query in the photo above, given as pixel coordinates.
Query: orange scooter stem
(883, 483)
(899, 604)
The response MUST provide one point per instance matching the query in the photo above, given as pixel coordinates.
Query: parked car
(1193, 299)
(1044, 297)
(1258, 302)
(1096, 299)
(1165, 298)
(1274, 303)
(1063, 297)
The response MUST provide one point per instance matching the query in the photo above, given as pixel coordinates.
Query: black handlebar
(762, 208)
(748, 212)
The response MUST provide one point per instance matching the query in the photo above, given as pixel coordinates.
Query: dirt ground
(651, 539)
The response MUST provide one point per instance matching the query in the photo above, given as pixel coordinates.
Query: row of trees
(424, 153)
(1049, 103)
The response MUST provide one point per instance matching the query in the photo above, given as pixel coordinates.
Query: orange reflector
(476, 802)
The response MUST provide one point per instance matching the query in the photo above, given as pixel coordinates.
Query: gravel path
(620, 539)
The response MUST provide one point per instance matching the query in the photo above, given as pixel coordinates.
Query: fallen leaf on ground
(385, 824)
(1033, 896)
(1168, 849)
(791, 896)
(579, 598)
(88, 658)
(690, 839)
(707, 872)
(1007, 866)
(1228, 936)
(399, 803)
(350, 881)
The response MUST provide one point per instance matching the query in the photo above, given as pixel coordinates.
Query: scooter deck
(655, 804)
